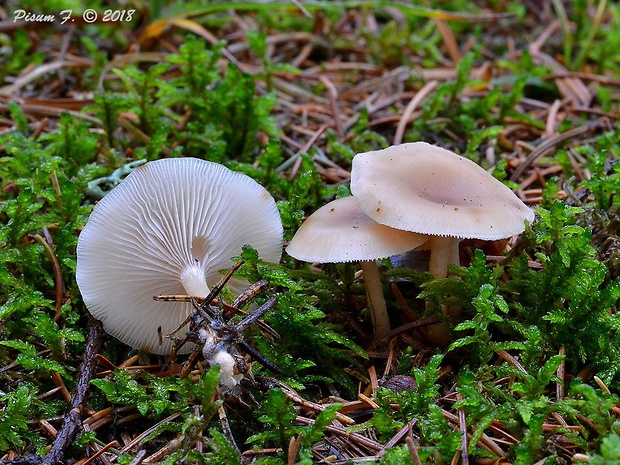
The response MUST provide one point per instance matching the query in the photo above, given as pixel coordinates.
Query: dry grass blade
(313, 5)
(485, 441)
(415, 102)
(403, 433)
(463, 430)
(313, 406)
(339, 430)
(58, 278)
(449, 40)
(33, 75)
(546, 146)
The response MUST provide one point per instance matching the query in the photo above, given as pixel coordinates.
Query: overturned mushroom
(340, 232)
(430, 190)
(169, 228)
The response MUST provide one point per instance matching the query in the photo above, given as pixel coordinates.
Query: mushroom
(169, 228)
(430, 190)
(340, 232)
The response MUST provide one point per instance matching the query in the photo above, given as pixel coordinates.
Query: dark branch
(72, 422)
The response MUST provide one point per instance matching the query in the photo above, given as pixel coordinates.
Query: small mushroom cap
(341, 232)
(430, 190)
(169, 228)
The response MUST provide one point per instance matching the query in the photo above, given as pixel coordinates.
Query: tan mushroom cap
(341, 232)
(430, 190)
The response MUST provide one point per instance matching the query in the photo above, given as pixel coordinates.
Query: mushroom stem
(444, 252)
(376, 301)
(194, 282)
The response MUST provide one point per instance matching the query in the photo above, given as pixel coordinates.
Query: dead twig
(272, 383)
(339, 430)
(72, 422)
(404, 431)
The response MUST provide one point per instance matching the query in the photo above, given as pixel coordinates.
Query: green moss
(550, 303)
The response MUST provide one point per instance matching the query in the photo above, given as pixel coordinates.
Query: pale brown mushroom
(430, 190)
(340, 232)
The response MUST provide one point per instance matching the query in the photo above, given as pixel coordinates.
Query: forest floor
(288, 93)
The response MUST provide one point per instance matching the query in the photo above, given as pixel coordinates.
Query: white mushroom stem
(444, 252)
(194, 281)
(376, 301)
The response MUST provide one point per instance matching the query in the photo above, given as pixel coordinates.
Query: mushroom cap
(169, 228)
(430, 190)
(341, 232)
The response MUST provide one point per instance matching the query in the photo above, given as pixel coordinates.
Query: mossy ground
(288, 92)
